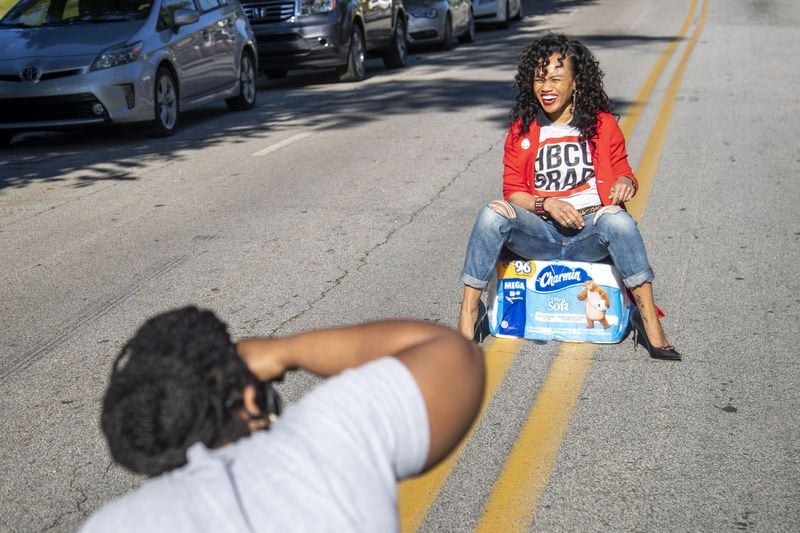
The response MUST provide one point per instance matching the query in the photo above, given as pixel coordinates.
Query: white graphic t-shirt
(564, 166)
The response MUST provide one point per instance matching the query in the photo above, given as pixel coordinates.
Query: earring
(574, 101)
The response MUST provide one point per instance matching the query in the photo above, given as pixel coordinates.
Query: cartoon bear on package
(597, 303)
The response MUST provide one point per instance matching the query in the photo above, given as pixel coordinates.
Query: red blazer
(608, 155)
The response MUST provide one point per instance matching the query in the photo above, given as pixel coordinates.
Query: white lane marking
(286, 142)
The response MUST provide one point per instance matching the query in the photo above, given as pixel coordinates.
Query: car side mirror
(182, 17)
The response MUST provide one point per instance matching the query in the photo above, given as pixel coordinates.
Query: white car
(438, 21)
(91, 62)
(500, 12)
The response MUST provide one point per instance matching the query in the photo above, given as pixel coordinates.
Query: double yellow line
(514, 499)
(416, 495)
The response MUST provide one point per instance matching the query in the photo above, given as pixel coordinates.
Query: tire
(469, 35)
(447, 43)
(520, 15)
(166, 103)
(5, 137)
(354, 70)
(246, 99)
(507, 22)
(276, 73)
(396, 55)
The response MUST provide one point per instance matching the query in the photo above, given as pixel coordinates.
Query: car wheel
(395, 57)
(520, 15)
(246, 98)
(165, 103)
(276, 73)
(5, 137)
(507, 20)
(354, 69)
(469, 35)
(447, 43)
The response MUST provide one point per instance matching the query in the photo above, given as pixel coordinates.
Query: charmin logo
(557, 277)
(31, 74)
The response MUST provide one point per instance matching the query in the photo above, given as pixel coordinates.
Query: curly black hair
(590, 97)
(176, 382)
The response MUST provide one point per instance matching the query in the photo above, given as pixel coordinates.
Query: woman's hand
(622, 190)
(563, 213)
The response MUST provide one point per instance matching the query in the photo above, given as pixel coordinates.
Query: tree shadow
(311, 98)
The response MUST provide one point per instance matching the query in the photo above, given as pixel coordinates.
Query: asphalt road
(334, 203)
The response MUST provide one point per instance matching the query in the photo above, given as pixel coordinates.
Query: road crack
(364, 259)
(81, 499)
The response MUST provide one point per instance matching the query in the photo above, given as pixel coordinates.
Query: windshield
(38, 13)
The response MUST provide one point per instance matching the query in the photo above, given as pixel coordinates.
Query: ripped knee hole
(503, 208)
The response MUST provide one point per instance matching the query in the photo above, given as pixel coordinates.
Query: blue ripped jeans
(527, 235)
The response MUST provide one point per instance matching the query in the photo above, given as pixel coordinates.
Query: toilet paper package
(558, 300)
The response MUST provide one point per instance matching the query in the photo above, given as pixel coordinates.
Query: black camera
(268, 400)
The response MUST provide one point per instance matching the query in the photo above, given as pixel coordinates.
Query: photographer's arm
(448, 369)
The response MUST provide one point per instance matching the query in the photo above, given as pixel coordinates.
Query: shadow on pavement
(303, 99)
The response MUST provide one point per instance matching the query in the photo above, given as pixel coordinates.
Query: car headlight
(312, 7)
(425, 13)
(117, 55)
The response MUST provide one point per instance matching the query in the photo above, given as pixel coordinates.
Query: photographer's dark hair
(590, 96)
(178, 381)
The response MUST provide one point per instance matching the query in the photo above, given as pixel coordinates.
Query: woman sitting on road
(565, 182)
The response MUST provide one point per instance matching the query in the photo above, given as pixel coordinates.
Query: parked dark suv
(327, 33)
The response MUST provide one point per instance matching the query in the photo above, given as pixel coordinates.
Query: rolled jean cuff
(473, 282)
(645, 276)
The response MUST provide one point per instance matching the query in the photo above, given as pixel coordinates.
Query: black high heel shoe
(481, 328)
(640, 337)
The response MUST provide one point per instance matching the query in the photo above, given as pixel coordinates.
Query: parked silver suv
(293, 34)
(75, 63)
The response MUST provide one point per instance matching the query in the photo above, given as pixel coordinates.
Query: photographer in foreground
(190, 409)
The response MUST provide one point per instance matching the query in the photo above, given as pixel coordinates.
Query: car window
(208, 5)
(34, 13)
